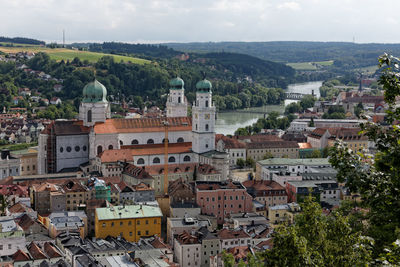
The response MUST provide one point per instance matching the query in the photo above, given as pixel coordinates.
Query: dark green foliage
(334, 112)
(21, 40)
(377, 178)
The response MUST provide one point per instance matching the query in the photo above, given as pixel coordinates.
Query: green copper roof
(94, 92)
(128, 212)
(177, 83)
(204, 85)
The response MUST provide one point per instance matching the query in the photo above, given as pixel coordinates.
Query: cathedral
(65, 145)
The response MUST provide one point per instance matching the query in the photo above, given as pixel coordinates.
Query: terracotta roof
(187, 239)
(206, 169)
(71, 127)
(259, 137)
(143, 125)
(19, 208)
(73, 186)
(179, 185)
(269, 243)
(45, 187)
(232, 234)
(231, 143)
(157, 243)
(19, 190)
(25, 221)
(36, 252)
(115, 155)
(51, 251)
(264, 187)
(304, 145)
(239, 252)
(137, 172)
(318, 133)
(20, 256)
(172, 168)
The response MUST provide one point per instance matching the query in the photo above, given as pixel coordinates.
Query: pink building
(220, 199)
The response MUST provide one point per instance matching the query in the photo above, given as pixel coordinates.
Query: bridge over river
(295, 96)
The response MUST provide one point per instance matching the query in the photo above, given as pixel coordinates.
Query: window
(206, 103)
(156, 160)
(135, 142)
(110, 147)
(186, 158)
(147, 221)
(171, 159)
(84, 148)
(206, 127)
(99, 150)
(179, 99)
(147, 232)
(140, 161)
(138, 232)
(155, 221)
(89, 115)
(163, 141)
(9, 246)
(77, 148)
(121, 223)
(61, 149)
(130, 233)
(112, 224)
(104, 225)
(121, 143)
(180, 140)
(69, 149)
(150, 141)
(138, 222)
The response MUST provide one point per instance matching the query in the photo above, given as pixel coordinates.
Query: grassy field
(69, 54)
(309, 65)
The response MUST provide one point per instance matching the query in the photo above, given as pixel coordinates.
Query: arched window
(61, 149)
(99, 150)
(163, 141)
(196, 126)
(89, 115)
(206, 127)
(121, 143)
(140, 161)
(180, 140)
(69, 149)
(171, 159)
(206, 103)
(135, 142)
(156, 160)
(179, 99)
(110, 147)
(186, 158)
(150, 141)
(84, 148)
(77, 148)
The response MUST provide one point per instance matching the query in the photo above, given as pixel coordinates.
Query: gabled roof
(137, 172)
(51, 251)
(36, 252)
(232, 234)
(143, 125)
(20, 256)
(19, 208)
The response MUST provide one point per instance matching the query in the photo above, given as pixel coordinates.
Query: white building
(9, 166)
(12, 237)
(187, 249)
(65, 145)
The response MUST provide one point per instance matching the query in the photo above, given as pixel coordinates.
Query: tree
(377, 177)
(318, 240)
(268, 155)
(307, 101)
(240, 162)
(316, 153)
(311, 124)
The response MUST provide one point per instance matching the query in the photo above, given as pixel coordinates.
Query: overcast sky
(150, 21)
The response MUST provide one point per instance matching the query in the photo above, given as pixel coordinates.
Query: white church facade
(67, 144)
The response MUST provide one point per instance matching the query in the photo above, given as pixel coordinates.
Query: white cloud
(194, 20)
(289, 5)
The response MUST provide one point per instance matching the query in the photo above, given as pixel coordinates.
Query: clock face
(207, 116)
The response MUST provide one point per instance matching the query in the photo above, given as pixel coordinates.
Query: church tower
(203, 119)
(94, 106)
(176, 103)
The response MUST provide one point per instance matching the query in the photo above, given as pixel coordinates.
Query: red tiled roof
(20, 256)
(51, 251)
(172, 168)
(137, 172)
(115, 155)
(143, 125)
(36, 252)
(19, 208)
(186, 238)
(206, 169)
(231, 143)
(73, 186)
(232, 234)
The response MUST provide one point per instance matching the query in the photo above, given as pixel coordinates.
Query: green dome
(204, 85)
(94, 92)
(176, 83)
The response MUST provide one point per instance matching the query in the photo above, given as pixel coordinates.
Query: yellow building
(283, 213)
(130, 222)
(28, 159)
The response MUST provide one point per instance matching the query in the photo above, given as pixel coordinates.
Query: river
(229, 122)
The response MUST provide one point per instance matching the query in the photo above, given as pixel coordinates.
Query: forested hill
(21, 40)
(143, 50)
(287, 51)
